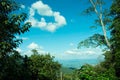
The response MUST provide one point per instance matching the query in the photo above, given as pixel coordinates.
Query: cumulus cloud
(45, 11)
(32, 46)
(42, 9)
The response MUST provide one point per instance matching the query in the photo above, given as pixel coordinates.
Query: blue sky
(57, 28)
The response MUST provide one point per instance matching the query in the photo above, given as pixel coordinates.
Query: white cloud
(60, 20)
(33, 46)
(42, 23)
(23, 6)
(44, 10)
(84, 53)
(32, 12)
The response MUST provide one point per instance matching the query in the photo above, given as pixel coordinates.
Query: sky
(57, 28)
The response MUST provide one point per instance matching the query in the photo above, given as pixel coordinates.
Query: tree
(26, 74)
(43, 67)
(11, 67)
(112, 61)
(102, 20)
(11, 24)
(89, 72)
(115, 34)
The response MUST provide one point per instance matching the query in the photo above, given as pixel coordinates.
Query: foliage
(103, 20)
(115, 35)
(43, 67)
(11, 24)
(13, 67)
(35, 67)
(89, 72)
(68, 73)
(93, 41)
(110, 67)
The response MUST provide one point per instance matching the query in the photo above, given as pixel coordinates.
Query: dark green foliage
(26, 74)
(108, 59)
(89, 72)
(11, 67)
(115, 8)
(43, 67)
(7, 6)
(93, 41)
(35, 67)
(115, 35)
(10, 26)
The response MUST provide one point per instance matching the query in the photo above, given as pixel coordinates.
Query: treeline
(35, 67)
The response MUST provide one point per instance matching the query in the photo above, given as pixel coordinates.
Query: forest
(14, 66)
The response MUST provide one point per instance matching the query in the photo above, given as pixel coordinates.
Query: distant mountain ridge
(77, 63)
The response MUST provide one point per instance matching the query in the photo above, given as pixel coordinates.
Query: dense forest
(14, 66)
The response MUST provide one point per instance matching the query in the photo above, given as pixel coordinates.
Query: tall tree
(99, 12)
(11, 24)
(115, 34)
(111, 60)
(102, 20)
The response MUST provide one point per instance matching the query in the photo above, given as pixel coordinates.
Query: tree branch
(101, 21)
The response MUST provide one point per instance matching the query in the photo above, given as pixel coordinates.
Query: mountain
(77, 63)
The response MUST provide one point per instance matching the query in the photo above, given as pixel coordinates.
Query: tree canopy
(11, 25)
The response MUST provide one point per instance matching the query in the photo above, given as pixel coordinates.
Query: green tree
(26, 73)
(112, 57)
(43, 67)
(15, 67)
(103, 20)
(89, 72)
(11, 67)
(11, 25)
(115, 34)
